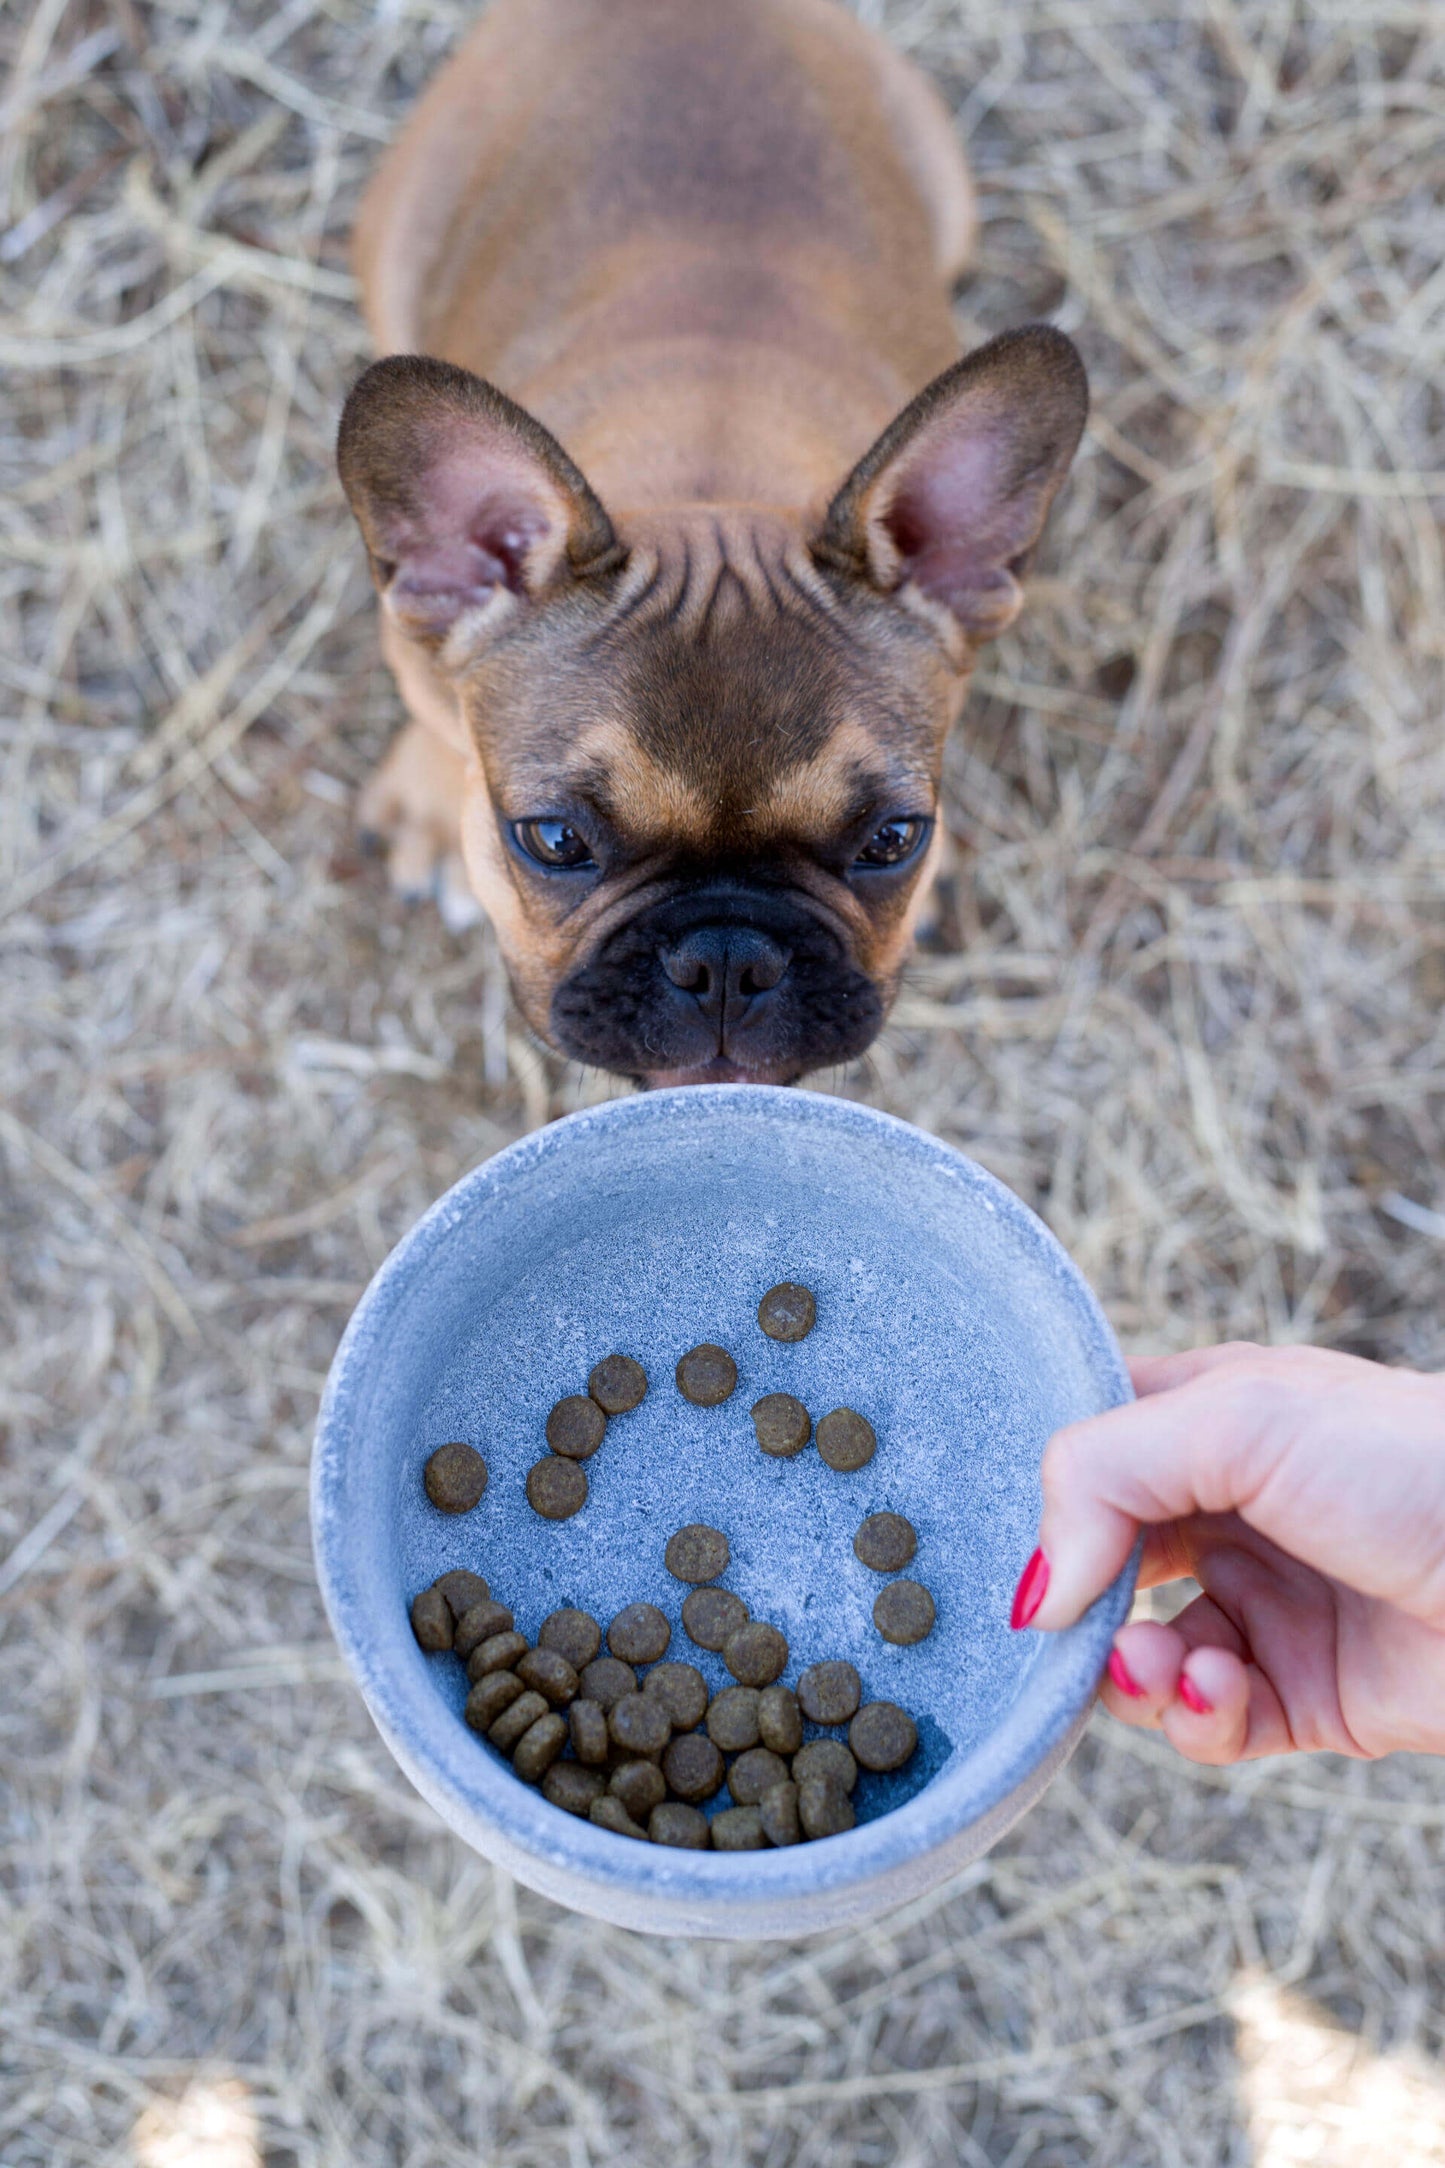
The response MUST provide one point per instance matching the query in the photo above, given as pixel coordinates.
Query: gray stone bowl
(947, 1313)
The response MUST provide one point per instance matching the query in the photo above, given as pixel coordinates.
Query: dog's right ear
(462, 498)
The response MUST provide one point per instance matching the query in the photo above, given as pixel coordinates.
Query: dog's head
(707, 741)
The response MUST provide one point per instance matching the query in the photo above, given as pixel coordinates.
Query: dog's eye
(893, 842)
(553, 843)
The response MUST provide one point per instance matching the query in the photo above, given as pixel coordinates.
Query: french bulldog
(686, 518)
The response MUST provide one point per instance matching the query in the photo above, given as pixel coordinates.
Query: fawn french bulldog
(685, 517)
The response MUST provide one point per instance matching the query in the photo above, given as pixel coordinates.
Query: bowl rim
(477, 1795)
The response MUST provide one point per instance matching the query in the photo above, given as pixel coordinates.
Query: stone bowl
(947, 1313)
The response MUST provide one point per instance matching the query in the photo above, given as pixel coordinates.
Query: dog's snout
(724, 968)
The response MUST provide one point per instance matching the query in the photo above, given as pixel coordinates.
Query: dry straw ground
(1187, 999)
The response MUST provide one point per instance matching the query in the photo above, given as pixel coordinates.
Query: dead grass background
(1187, 1000)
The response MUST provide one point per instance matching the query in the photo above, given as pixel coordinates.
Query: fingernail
(1123, 1677)
(1031, 1591)
(1191, 1697)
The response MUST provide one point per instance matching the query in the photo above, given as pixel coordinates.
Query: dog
(686, 517)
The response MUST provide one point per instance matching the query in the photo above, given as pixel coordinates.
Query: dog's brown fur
(707, 248)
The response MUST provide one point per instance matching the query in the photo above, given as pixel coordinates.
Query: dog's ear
(461, 496)
(952, 498)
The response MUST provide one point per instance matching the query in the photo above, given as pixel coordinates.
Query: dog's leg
(412, 805)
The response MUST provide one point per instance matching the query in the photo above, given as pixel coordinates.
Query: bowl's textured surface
(947, 1314)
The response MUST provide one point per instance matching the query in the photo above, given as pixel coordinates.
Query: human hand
(1305, 1492)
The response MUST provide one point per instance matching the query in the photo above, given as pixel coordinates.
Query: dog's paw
(408, 812)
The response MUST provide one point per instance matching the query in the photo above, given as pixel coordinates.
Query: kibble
(617, 1384)
(479, 1624)
(609, 1813)
(693, 1766)
(829, 1693)
(431, 1621)
(904, 1613)
(886, 1542)
(783, 1425)
(754, 1773)
(587, 1722)
(737, 1829)
(697, 1553)
(882, 1736)
(780, 1719)
(514, 1721)
(576, 1427)
(824, 1808)
(572, 1788)
(455, 1477)
(640, 1785)
(787, 1311)
(607, 1679)
(462, 1590)
(846, 1440)
(539, 1747)
(573, 1634)
(682, 1690)
(640, 1634)
(778, 1811)
(756, 1654)
(639, 1724)
(498, 1653)
(709, 1615)
(732, 1719)
(490, 1696)
(706, 1375)
(550, 1674)
(825, 1758)
(678, 1825)
(556, 1488)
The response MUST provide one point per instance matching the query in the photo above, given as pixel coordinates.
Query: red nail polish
(1031, 1591)
(1191, 1697)
(1123, 1677)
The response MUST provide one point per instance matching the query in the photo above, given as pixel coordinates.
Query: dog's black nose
(724, 968)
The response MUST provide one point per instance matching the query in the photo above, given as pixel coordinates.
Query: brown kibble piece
(737, 1829)
(882, 1735)
(462, 1590)
(539, 1747)
(787, 1311)
(607, 1679)
(732, 1719)
(571, 1788)
(709, 1615)
(640, 1785)
(682, 1690)
(829, 1693)
(697, 1553)
(824, 1808)
(640, 1634)
(825, 1758)
(754, 1773)
(706, 1375)
(591, 1741)
(886, 1542)
(490, 1696)
(617, 1384)
(780, 1720)
(515, 1720)
(550, 1673)
(778, 1809)
(672, 1823)
(783, 1425)
(693, 1766)
(576, 1427)
(498, 1653)
(455, 1477)
(904, 1612)
(640, 1724)
(609, 1813)
(556, 1488)
(846, 1440)
(479, 1624)
(756, 1654)
(573, 1634)
(431, 1621)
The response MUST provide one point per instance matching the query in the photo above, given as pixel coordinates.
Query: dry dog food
(697, 1553)
(882, 1736)
(455, 1477)
(431, 1621)
(682, 1690)
(756, 1654)
(886, 1542)
(709, 1615)
(640, 1785)
(778, 1812)
(782, 1423)
(826, 1758)
(639, 1724)
(754, 1773)
(572, 1788)
(693, 1766)
(787, 1311)
(479, 1624)
(573, 1634)
(550, 1674)
(462, 1590)
(609, 1813)
(829, 1693)
(673, 1823)
(738, 1829)
(498, 1653)
(607, 1679)
(904, 1612)
(732, 1719)
(490, 1696)
(824, 1808)
(515, 1720)
(576, 1427)
(556, 1488)
(617, 1384)
(706, 1375)
(846, 1440)
(780, 1719)
(639, 1634)
(539, 1747)
(587, 1724)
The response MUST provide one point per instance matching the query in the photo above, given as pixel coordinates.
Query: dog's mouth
(718, 1071)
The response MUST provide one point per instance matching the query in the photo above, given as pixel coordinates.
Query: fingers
(1212, 1706)
(1161, 1373)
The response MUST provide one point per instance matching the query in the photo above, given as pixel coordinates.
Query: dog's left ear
(952, 498)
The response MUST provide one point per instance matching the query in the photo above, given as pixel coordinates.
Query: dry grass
(1188, 1002)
